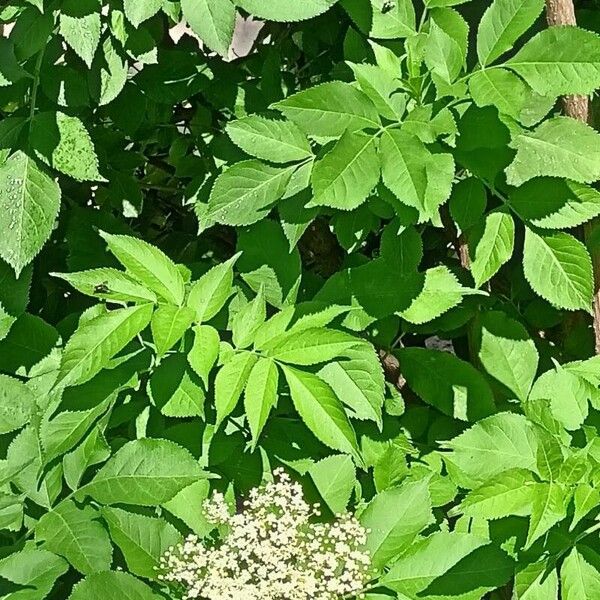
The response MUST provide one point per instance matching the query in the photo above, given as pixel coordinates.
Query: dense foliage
(345, 238)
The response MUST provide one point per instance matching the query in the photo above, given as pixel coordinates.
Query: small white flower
(272, 551)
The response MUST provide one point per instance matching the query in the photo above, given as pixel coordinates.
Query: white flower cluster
(272, 551)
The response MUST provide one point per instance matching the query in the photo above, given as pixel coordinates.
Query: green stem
(36, 83)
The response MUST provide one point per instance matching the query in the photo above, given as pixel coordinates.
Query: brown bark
(562, 12)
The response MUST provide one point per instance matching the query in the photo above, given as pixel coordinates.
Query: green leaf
(80, 26)
(347, 174)
(91, 451)
(321, 411)
(499, 88)
(212, 20)
(394, 518)
(311, 346)
(585, 499)
(141, 539)
(429, 559)
(450, 384)
(495, 444)
(230, 382)
(335, 478)
(25, 459)
(549, 506)
(76, 534)
(149, 265)
(208, 295)
(330, 109)
(502, 24)
(35, 570)
(112, 585)
(507, 352)
(185, 505)
(109, 73)
(174, 390)
(533, 582)
(95, 342)
(440, 291)
(467, 202)
(568, 396)
(381, 19)
(246, 322)
(63, 142)
(260, 395)
(560, 60)
(559, 268)
(443, 55)
(358, 382)
(246, 192)
(108, 284)
(491, 245)
(273, 140)
(138, 11)
(168, 324)
(382, 88)
(67, 429)
(508, 493)
(559, 147)
(552, 203)
(579, 579)
(286, 10)
(417, 177)
(17, 404)
(146, 472)
(204, 352)
(30, 201)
